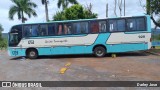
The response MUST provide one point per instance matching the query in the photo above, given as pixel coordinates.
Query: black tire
(99, 51)
(32, 54)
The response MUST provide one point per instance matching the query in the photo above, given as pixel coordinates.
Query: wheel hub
(32, 53)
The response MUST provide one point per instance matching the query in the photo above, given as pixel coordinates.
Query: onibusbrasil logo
(20, 84)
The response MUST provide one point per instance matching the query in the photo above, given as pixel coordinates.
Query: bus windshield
(13, 39)
(15, 35)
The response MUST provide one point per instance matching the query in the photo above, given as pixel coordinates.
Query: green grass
(155, 50)
(157, 47)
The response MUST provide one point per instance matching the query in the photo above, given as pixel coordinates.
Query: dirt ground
(133, 66)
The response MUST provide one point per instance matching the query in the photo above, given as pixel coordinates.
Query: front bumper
(16, 52)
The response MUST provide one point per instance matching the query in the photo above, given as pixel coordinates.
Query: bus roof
(80, 20)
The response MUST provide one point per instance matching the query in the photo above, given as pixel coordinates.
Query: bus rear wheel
(99, 51)
(32, 53)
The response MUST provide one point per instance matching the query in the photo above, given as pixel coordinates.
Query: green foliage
(89, 15)
(154, 6)
(59, 16)
(148, 8)
(3, 42)
(74, 12)
(1, 29)
(22, 7)
(156, 37)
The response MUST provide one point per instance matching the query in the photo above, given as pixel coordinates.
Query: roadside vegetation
(3, 42)
(75, 12)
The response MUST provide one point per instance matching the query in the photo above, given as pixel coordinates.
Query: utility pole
(107, 10)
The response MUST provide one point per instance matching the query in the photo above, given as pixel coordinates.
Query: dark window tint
(94, 27)
(67, 29)
(102, 26)
(136, 24)
(27, 30)
(80, 27)
(140, 24)
(117, 25)
(30, 30)
(77, 28)
(112, 25)
(131, 24)
(15, 35)
(51, 29)
(121, 25)
(60, 29)
(34, 31)
(43, 30)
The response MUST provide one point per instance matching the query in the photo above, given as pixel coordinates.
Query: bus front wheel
(99, 51)
(32, 53)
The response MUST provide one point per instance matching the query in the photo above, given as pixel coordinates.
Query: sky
(133, 8)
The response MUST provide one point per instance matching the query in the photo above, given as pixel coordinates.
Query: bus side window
(112, 25)
(94, 27)
(121, 25)
(76, 28)
(34, 31)
(67, 29)
(51, 30)
(80, 28)
(43, 30)
(102, 26)
(131, 24)
(27, 30)
(60, 29)
(84, 27)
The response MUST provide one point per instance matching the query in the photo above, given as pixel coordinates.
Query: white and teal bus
(87, 36)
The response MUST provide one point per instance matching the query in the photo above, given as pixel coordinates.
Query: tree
(153, 8)
(88, 12)
(75, 12)
(45, 2)
(59, 16)
(3, 42)
(22, 7)
(1, 29)
(64, 3)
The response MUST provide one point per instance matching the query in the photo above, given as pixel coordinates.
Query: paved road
(125, 67)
